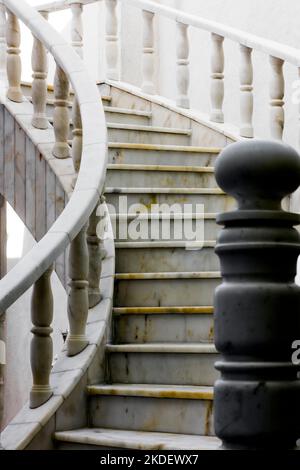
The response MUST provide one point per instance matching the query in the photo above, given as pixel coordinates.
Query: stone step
(103, 438)
(162, 363)
(165, 288)
(189, 199)
(155, 408)
(147, 154)
(170, 176)
(134, 133)
(163, 324)
(27, 91)
(112, 114)
(141, 257)
(147, 134)
(152, 226)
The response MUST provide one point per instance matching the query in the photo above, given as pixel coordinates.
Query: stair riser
(152, 157)
(210, 202)
(152, 414)
(159, 179)
(169, 292)
(142, 260)
(162, 368)
(163, 328)
(147, 137)
(174, 230)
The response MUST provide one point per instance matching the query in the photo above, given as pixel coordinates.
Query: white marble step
(171, 176)
(168, 348)
(152, 391)
(152, 223)
(124, 439)
(147, 134)
(27, 90)
(163, 325)
(162, 363)
(113, 114)
(153, 256)
(165, 288)
(191, 199)
(156, 408)
(132, 153)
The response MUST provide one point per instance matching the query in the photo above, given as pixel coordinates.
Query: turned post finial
(257, 306)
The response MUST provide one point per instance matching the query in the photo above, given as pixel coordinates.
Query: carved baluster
(276, 98)
(41, 345)
(183, 75)
(94, 240)
(78, 303)
(112, 45)
(148, 53)
(246, 87)
(61, 121)
(39, 63)
(77, 43)
(13, 64)
(2, 42)
(217, 83)
(257, 394)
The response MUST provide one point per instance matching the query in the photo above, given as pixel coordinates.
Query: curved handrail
(92, 172)
(270, 47)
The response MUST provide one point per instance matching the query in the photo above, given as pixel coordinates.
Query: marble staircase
(158, 391)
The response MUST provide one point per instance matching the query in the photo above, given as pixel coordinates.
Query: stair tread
(169, 275)
(153, 391)
(188, 348)
(162, 310)
(149, 128)
(138, 439)
(165, 168)
(164, 147)
(131, 190)
(166, 244)
(159, 215)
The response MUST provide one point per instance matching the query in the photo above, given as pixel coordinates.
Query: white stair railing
(277, 53)
(90, 159)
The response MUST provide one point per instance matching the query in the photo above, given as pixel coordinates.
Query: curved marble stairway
(160, 372)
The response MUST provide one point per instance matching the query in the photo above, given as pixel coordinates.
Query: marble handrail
(70, 228)
(276, 52)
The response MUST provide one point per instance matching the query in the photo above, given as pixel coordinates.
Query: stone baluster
(77, 43)
(41, 354)
(276, 98)
(2, 42)
(13, 60)
(39, 62)
(78, 303)
(94, 240)
(257, 396)
(246, 88)
(183, 74)
(217, 75)
(148, 53)
(61, 120)
(112, 44)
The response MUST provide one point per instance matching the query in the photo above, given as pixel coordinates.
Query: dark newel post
(257, 306)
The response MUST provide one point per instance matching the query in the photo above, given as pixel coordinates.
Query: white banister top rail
(272, 48)
(92, 173)
(60, 5)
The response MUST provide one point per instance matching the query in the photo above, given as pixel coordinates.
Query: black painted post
(257, 306)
